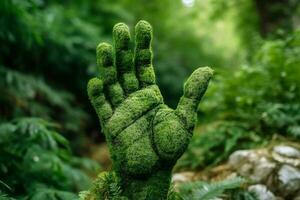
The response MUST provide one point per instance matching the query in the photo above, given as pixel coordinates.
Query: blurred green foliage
(47, 55)
(246, 106)
(26, 95)
(36, 162)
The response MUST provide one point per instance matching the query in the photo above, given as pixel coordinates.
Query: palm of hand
(143, 134)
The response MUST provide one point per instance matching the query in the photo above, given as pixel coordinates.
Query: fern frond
(207, 191)
(242, 194)
(105, 187)
(26, 95)
(52, 194)
(34, 154)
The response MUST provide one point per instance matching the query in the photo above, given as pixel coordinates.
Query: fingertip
(207, 70)
(202, 74)
(98, 99)
(103, 47)
(104, 54)
(197, 83)
(119, 27)
(95, 87)
(121, 36)
(143, 32)
(143, 24)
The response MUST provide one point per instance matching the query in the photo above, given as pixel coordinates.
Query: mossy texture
(145, 136)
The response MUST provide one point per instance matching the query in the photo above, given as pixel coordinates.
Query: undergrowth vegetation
(26, 95)
(36, 161)
(246, 106)
(227, 189)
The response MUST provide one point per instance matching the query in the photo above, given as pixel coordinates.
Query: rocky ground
(273, 173)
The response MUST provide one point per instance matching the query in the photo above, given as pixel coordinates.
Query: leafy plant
(173, 194)
(4, 196)
(105, 187)
(241, 194)
(25, 95)
(51, 194)
(217, 142)
(207, 191)
(246, 107)
(263, 93)
(36, 162)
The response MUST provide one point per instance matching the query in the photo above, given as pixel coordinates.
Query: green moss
(106, 186)
(194, 89)
(130, 82)
(170, 136)
(144, 136)
(104, 55)
(124, 58)
(143, 54)
(108, 75)
(134, 107)
(124, 61)
(140, 158)
(156, 186)
(121, 36)
(143, 35)
(143, 57)
(186, 109)
(95, 87)
(95, 92)
(146, 75)
(197, 83)
(115, 93)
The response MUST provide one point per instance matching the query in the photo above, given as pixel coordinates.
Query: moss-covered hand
(144, 135)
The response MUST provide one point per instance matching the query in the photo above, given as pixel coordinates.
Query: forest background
(51, 143)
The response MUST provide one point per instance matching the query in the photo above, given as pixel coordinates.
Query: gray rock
(277, 168)
(238, 157)
(251, 164)
(286, 154)
(290, 179)
(182, 177)
(262, 192)
(262, 168)
(287, 151)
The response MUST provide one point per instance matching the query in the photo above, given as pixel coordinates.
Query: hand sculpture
(145, 137)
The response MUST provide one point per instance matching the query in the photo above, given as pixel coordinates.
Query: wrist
(154, 186)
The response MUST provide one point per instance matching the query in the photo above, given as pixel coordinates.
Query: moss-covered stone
(145, 136)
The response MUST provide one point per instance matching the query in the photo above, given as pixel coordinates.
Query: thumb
(194, 89)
